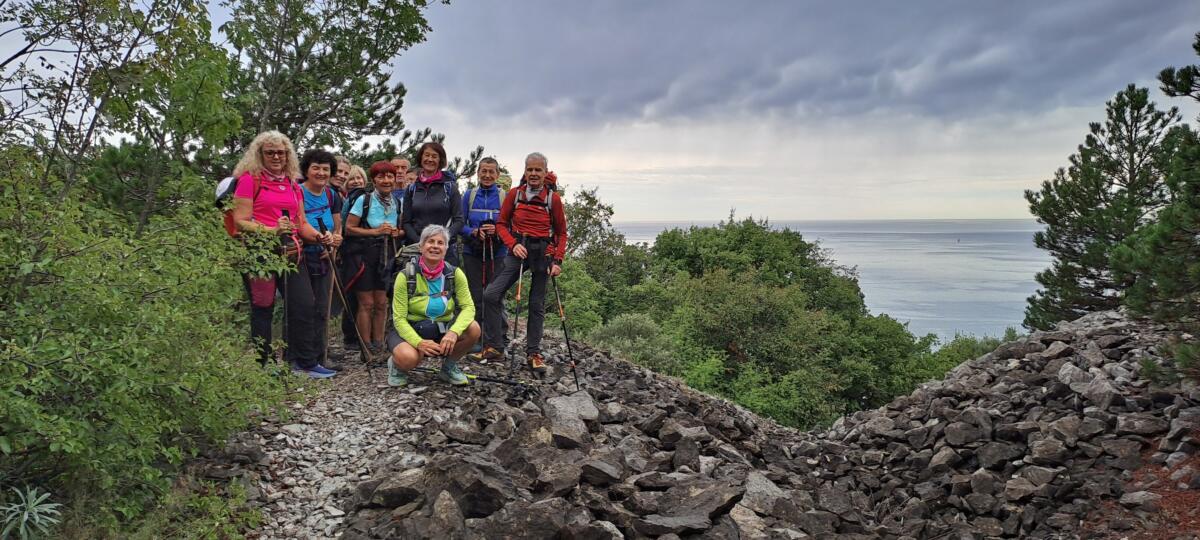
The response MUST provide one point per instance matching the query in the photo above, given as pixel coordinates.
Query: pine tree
(1163, 259)
(1113, 185)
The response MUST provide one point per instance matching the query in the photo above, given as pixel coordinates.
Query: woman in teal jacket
(432, 312)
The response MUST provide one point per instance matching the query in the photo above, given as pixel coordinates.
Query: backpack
(330, 198)
(411, 270)
(551, 181)
(471, 205)
(521, 200)
(225, 189)
(411, 190)
(349, 203)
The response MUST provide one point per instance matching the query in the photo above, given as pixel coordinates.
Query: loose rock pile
(1027, 440)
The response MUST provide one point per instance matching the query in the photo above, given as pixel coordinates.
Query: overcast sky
(682, 110)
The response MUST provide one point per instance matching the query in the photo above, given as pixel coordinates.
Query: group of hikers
(394, 233)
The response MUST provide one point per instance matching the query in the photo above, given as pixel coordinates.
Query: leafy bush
(122, 352)
(637, 337)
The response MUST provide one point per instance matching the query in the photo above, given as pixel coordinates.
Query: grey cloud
(591, 62)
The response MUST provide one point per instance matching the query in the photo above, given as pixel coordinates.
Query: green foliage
(579, 293)
(30, 515)
(1114, 183)
(121, 351)
(200, 510)
(638, 337)
(319, 71)
(759, 316)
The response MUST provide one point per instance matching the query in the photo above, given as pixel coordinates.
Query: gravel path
(351, 428)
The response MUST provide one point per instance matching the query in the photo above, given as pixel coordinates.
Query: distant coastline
(941, 276)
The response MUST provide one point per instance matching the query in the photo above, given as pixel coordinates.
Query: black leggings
(306, 298)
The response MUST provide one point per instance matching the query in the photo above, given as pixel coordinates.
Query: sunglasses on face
(274, 153)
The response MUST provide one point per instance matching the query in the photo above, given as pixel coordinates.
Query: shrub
(122, 352)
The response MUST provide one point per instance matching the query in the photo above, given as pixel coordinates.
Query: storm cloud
(598, 61)
(972, 100)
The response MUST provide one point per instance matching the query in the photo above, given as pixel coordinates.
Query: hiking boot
(488, 353)
(451, 374)
(396, 378)
(537, 363)
(477, 348)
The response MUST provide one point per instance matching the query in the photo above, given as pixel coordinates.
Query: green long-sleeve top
(405, 309)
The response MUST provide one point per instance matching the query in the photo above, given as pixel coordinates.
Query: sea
(945, 277)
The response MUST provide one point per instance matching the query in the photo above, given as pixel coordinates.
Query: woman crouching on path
(424, 323)
(268, 199)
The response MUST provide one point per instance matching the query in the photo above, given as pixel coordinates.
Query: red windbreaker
(533, 221)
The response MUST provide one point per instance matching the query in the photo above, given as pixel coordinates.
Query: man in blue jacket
(483, 252)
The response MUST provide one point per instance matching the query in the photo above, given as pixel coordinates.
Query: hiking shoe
(350, 345)
(331, 365)
(323, 370)
(396, 378)
(477, 348)
(452, 374)
(537, 363)
(488, 353)
(313, 373)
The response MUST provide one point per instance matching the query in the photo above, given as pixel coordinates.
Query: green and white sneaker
(451, 374)
(396, 377)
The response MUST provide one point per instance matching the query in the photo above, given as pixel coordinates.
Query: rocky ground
(1055, 435)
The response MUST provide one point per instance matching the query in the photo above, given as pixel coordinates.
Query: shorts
(431, 330)
(372, 277)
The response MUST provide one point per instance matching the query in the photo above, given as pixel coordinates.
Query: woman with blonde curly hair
(267, 199)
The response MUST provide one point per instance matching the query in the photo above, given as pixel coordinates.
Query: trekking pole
(341, 294)
(562, 316)
(512, 359)
(284, 240)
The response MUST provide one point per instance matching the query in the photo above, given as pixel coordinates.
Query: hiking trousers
(492, 296)
(476, 268)
(305, 296)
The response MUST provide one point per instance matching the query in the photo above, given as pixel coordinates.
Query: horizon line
(819, 219)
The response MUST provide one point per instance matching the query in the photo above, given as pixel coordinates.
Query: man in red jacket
(533, 226)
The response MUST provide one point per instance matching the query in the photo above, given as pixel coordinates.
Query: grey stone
(399, 489)
(1038, 475)
(996, 453)
(465, 433)
(817, 523)
(749, 525)
(1141, 500)
(658, 525)
(1070, 374)
(1101, 393)
(1058, 349)
(1048, 452)
(761, 493)
(961, 433)
(944, 460)
(834, 499)
(1121, 448)
(984, 482)
(602, 471)
(1141, 424)
(1019, 489)
(707, 498)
